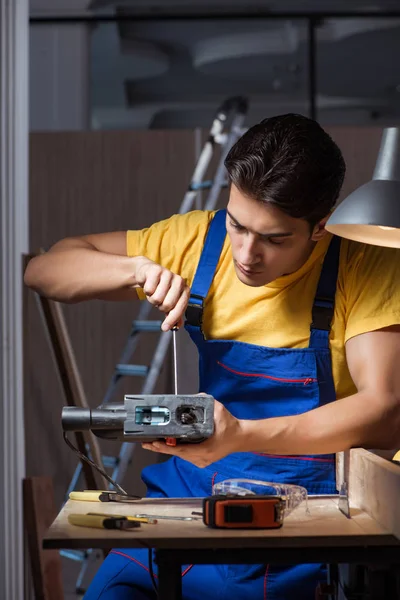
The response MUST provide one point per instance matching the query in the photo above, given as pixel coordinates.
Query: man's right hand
(164, 289)
(97, 267)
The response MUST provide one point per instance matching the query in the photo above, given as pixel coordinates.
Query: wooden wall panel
(80, 183)
(102, 181)
(360, 146)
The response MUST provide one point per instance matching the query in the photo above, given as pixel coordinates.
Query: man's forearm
(74, 271)
(361, 420)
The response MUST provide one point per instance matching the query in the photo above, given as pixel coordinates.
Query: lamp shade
(371, 214)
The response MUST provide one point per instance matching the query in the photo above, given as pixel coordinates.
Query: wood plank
(71, 383)
(39, 512)
(374, 487)
(342, 468)
(324, 525)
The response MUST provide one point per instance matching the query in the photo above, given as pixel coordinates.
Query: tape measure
(243, 512)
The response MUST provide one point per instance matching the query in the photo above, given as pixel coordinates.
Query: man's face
(266, 243)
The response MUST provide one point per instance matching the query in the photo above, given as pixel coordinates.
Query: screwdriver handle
(86, 496)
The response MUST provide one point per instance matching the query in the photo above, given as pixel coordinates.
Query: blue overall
(253, 382)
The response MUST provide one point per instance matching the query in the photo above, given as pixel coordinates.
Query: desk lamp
(371, 214)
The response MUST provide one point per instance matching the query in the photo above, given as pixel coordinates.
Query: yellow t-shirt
(278, 314)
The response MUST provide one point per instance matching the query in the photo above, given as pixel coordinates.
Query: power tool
(173, 418)
(146, 418)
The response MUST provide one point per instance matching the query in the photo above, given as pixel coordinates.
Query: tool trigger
(169, 441)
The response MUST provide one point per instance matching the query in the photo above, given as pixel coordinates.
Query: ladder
(226, 128)
(236, 109)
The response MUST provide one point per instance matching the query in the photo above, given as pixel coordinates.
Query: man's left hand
(227, 438)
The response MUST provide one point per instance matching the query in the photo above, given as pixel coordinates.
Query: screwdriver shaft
(174, 330)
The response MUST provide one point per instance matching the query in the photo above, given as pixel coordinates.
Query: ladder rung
(110, 461)
(200, 185)
(132, 370)
(204, 185)
(78, 555)
(146, 326)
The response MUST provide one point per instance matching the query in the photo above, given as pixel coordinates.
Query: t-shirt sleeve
(371, 283)
(175, 243)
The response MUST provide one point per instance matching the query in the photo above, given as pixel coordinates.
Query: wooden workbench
(321, 534)
(324, 526)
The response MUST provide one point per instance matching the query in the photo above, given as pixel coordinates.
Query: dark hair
(291, 162)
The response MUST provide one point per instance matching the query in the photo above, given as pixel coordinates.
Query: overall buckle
(194, 311)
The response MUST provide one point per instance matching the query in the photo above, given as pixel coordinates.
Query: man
(298, 335)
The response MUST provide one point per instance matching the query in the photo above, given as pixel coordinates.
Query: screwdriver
(172, 441)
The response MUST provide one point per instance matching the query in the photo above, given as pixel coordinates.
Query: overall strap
(206, 268)
(324, 301)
